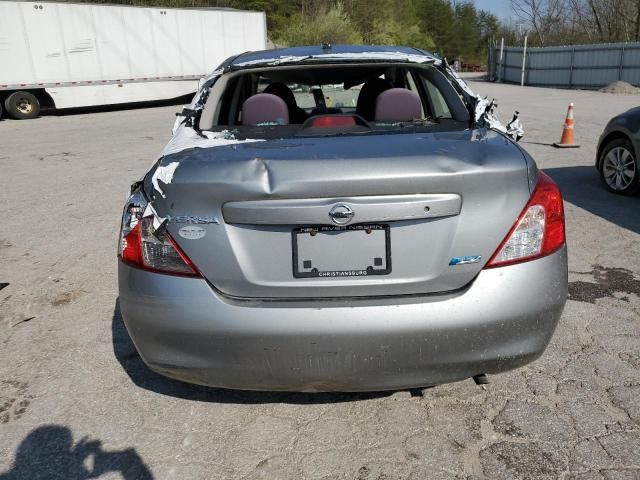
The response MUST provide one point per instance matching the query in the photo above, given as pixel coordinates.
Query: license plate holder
(341, 251)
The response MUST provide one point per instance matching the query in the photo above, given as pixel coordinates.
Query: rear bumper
(184, 329)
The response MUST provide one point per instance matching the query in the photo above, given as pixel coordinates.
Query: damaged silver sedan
(341, 219)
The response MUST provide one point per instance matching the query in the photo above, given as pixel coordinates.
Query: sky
(500, 8)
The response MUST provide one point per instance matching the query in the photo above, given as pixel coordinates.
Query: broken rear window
(333, 100)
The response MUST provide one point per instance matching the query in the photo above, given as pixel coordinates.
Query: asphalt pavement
(76, 401)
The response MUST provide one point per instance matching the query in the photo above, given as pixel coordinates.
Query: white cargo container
(64, 55)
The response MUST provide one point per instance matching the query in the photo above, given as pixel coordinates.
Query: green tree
(330, 25)
(390, 22)
(437, 20)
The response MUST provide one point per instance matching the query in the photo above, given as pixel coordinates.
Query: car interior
(332, 99)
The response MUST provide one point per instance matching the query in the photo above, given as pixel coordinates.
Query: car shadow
(141, 375)
(582, 187)
(49, 452)
(116, 107)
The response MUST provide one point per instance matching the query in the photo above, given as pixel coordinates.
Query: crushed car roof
(320, 53)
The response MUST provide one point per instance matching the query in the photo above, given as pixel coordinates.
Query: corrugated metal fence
(576, 66)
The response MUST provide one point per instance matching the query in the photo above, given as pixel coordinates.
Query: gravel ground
(76, 402)
(620, 88)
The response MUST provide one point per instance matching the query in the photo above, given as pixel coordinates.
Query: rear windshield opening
(332, 100)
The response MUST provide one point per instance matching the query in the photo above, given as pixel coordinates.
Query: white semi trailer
(64, 55)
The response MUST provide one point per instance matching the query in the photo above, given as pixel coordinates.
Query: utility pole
(524, 57)
(500, 63)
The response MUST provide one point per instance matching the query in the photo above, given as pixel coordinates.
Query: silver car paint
(185, 329)
(249, 325)
(365, 209)
(246, 259)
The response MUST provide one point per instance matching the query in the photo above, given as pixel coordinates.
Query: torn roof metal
(185, 138)
(319, 55)
(333, 57)
(331, 53)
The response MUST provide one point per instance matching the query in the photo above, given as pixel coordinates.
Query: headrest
(264, 108)
(398, 105)
(366, 105)
(279, 89)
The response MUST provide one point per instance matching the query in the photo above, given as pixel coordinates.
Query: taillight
(333, 121)
(539, 229)
(142, 246)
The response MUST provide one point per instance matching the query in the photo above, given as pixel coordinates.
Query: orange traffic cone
(567, 132)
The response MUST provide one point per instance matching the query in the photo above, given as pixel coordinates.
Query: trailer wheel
(22, 105)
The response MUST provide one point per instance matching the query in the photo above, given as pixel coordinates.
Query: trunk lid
(433, 196)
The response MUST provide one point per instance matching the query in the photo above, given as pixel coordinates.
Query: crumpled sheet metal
(484, 111)
(515, 128)
(157, 219)
(395, 56)
(164, 174)
(185, 117)
(186, 137)
(485, 116)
